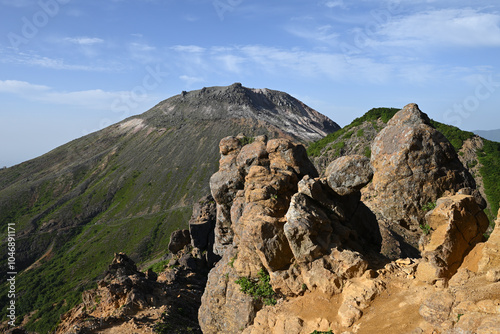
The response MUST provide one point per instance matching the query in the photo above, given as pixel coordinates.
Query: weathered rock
(348, 174)
(202, 223)
(225, 309)
(457, 225)
(178, 240)
(490, 254)
(308, 229)
(127, 301)
(413, 165)
(437, 308)
(252, 189)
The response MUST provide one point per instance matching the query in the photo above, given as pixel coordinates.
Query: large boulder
(178, 240)
(457, 224)
(349, 173)
(413, 165)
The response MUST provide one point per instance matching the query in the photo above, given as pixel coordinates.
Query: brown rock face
(252, 189)
(457, 225)
(129, 301)
(349, 173)
(413, 165)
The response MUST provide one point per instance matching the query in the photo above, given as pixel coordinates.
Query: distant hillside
(482, 158)
(493, 135)
(126, 188)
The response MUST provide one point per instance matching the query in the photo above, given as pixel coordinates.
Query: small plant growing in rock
(246, 140)
(429, 206)
(425, 228)
(327, 332)
(231, 262)
(259, 289)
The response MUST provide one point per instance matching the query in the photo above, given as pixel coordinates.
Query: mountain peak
(238, 102)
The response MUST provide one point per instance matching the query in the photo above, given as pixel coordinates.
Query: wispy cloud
(188, 48)
(252, 59)
(18, 3)
(143, 52)
(96, 99)
(21, 87)
(191, 80)
(323, 33)
(446, 27)
(84, 40)
(33, 59)
(334, 3)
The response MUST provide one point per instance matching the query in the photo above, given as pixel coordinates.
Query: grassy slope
(489, 157)
(109, 192)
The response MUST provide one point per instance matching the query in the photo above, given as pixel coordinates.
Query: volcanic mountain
(127, 187)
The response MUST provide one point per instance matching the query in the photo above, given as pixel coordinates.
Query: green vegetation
(159, 266)
(231, 261)
(246, 140)
(384, 114)
(360, 133)
(429, 206)
(426, 229)
(258, 289)
(367, 152)
(489, 157)
(454, 135)
(323, 332)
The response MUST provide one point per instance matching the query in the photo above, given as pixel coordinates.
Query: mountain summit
(275, 108)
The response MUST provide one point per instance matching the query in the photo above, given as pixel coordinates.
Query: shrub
(259, 289)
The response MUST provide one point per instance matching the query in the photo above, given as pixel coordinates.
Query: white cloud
(253, 59)
(446, 27)
(143, 53)
(92, 99)
(32, 59)
(324, 33)
(17, 3)
(188, 48)
(84, 40)
(191, 80)
(334, 3)
(21, 87)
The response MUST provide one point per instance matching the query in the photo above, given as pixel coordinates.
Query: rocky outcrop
(178, 240)
(457, 224)
(348, 174)
(252, 189)
(274, 214)
(202, 226)
(127, 300)
(413, 165)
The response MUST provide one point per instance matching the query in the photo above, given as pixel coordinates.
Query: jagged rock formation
(457, 225)
(130, 301)
(319, 241)
(128, 186)
(303, 233)
(413, 165)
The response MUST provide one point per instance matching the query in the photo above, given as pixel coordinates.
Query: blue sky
(70, 67)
